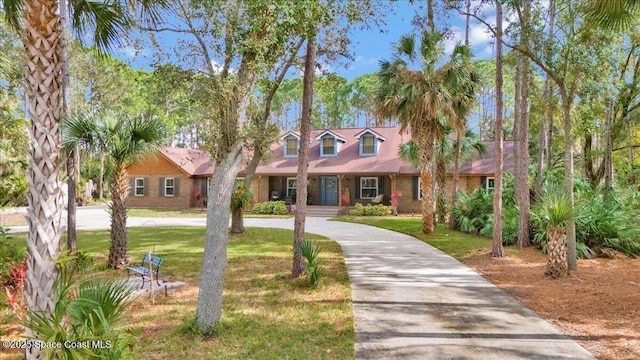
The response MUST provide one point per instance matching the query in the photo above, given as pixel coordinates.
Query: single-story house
(358, 163)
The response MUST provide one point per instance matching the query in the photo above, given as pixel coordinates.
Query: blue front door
(329, 190)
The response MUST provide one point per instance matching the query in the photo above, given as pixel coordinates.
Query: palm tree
(39, 25)
(418, 98)
(552, 214)
(445, 155)
(125, 141)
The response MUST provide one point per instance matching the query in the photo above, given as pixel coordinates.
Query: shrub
(371, 210)
(313, 273)
(241, 198)
(82, 262)
(270, 208)
(13, 190)
(85, 309)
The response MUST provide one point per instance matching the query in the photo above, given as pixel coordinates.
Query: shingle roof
(478, 165)
(348, 161)
(193, 162)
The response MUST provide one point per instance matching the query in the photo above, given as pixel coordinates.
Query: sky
(369, 46)
(372, 45)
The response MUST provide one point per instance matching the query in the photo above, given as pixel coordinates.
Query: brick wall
(153, 171)
(407, 203)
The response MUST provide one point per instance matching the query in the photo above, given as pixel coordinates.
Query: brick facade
(153, 173)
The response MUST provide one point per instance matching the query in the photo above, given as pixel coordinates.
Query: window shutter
(176, 186)
(132, 185)
(357, 187)
(380, 185)
(161, 187)
(415, 187)
(283, 187)
(203, 187)
(483, 182)
(146, 186)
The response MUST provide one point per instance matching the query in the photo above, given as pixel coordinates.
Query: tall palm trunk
(441, 198)
(119, 187)
(426, 145)
(41, 40)
(456, 178)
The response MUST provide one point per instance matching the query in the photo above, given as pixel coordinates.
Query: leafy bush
(313, 273)
(371, 210)
(82, 262)
(241, 198)
(13, 190)
(85, 309)
(270, 208)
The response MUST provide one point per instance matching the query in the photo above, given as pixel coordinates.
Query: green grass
(455, 243)
(266, 313)
(188, 213)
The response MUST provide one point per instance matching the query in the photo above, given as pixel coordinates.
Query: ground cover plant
(602, 222)
(266, 315)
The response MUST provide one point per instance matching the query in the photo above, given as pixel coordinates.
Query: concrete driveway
(411, 301)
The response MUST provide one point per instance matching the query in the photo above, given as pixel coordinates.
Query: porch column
(340, 177)
(257, 198)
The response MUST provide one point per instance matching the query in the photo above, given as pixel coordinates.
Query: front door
(329, 190)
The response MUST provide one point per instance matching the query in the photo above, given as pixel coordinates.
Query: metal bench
(144, 270)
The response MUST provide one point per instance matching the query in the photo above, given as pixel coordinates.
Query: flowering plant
(344, 200)
(395, 197)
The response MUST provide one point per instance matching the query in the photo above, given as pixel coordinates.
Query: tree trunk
(70, 152)
(456, 178)
(521, 181)
(119, 249)
(546, 121)
(557, 253)
(237, 225)
(608, 149)
(209, 307)
(441, 179)
(466, 24)
(632, 160)
(101, 177)
(41, 41)
(572, 258)
(430, 22)
(497, 249)
(298, 265)
(426, 145)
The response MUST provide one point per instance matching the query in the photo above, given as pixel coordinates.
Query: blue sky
(369, 46)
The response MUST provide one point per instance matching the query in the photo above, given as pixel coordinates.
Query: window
(139, 187)
(368, 145)
(169, 187)
(291, 147)
(419, 188)
(368, 187)
(292, 186)
(328, 146)
(491, 183)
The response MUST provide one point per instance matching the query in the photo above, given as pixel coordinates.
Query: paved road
(411, 301)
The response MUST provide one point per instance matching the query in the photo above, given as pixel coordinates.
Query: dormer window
(330, 143)
(291, 146)
(369, 142)
(328, 146)
(368, 145)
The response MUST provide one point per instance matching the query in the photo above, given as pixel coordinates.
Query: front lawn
(455, 243)
(266, 314)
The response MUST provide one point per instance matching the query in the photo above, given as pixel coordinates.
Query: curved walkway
(412, 301)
